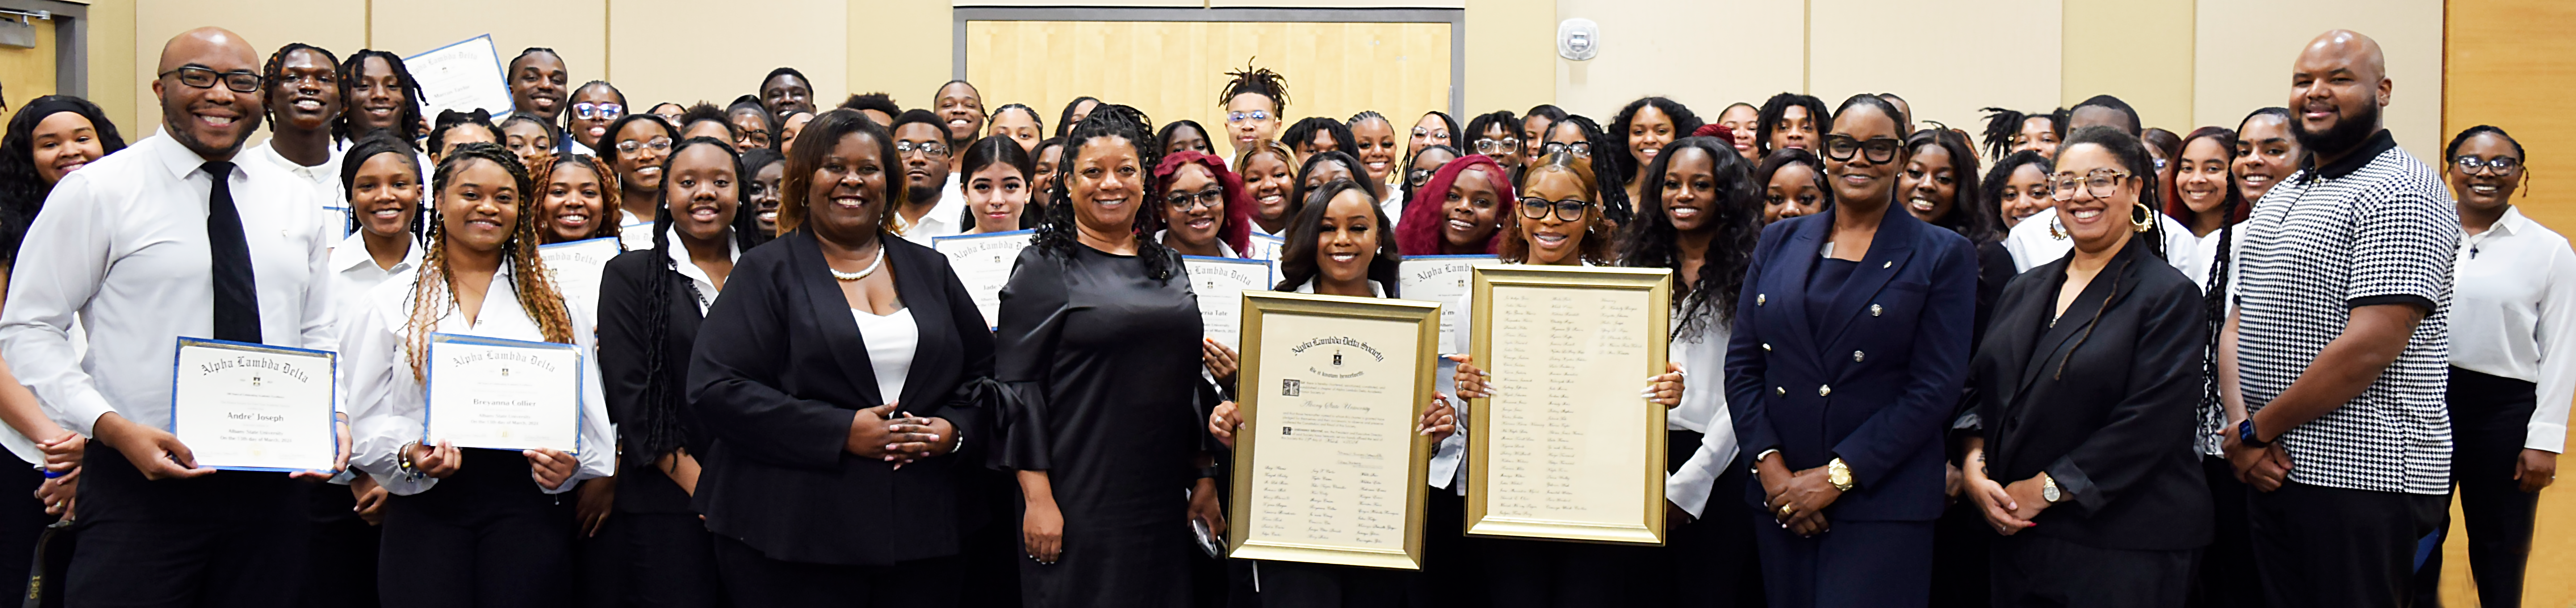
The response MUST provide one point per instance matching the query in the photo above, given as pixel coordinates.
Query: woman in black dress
(1099, 343)
(828, 376)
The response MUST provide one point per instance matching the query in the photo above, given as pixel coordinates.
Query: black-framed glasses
(2101, 183)
(1570, 210)
(597, 111)
(1489, 146)
(2501, 165)
(1211, 198)
(926, 148)
(1418, 177)
(1876, 149)
(1580, 148)
(1244, 116)
(632, 146)
(240, 81)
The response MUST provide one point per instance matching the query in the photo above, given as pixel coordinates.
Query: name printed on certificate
(1446, 279)
(504, 394)
(576, 268)
(255, 407)
(1566, 442)
(1333, 431)
(1219, 284)
(983, 263)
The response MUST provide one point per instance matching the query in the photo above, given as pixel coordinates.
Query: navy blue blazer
(1875, 382)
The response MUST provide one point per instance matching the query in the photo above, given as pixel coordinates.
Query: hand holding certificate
(256, 408)
(1567, 448)
(504, 394)
(1220, 284)
(1330, 463)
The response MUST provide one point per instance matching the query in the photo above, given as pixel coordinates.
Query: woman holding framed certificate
(1559, 221)
(471, 402)
(1099, 342)
(650, 305)
(828, 376)
(1849, 349)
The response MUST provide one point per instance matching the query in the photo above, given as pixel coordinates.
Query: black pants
(344, 552)
(2227, 577)
(753, 579)
(234, 538)
(1304, 585)
(1561, 574)
(669, 561)
(2490, 419)
(1962, 546)
(2338, 548)
(22, 521)
(1710, 561)
(2042, 571)
(484, 537)
(992, 551)
(1450, 576)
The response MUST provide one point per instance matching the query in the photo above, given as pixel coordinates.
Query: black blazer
(1877, 382)
(625, 286)
(2104, 401)
(776, 379)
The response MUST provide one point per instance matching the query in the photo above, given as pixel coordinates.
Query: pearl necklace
(863, 272)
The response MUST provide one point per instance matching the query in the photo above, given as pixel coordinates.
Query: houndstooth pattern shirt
(2374, 228)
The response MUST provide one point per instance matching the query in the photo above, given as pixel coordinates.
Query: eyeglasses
(631, 146)
(1244, 116)
(2101, 183)
(1417, 177)
(240, 81)
(1876, 149)
(1434, 133)
(2160, 165)
(2501, 165)
(1210, 198)
(597, 111)
(926, 148)
(1490, 146)
(1580, 148)
(1569, 210)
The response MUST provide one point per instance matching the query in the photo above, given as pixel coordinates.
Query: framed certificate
(1445, 279)
(503, 394)
(254, 407)
(576, 268)
(1220, 284)
(463, 76)
(1566, 449)
(983, 262)
(1328, 468)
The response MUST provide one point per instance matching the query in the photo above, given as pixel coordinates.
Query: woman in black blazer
(826, 485)
(1850, 344)
(650, 303)
(2088, 384)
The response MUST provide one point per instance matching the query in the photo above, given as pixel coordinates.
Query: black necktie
(236, 290)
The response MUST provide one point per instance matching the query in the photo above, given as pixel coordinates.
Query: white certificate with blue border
(503, 394)
(1446, 279)
(1267, 248)
(1219, 284)
(464, 76)
(983, 263)
(255, 407)
(576, 267)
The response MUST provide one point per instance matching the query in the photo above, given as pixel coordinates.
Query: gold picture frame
(1544, 464)
(1316, 371)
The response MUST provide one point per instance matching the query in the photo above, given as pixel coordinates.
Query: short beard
(248, 123)
(2347, 134)
(924, 195)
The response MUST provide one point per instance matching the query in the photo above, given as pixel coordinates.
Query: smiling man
(302, 86)
(538, 82)
(961, 107)
(172, 237)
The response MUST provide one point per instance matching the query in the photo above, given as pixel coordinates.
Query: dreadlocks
(1256, 81)
(273, 72)
(408, 122)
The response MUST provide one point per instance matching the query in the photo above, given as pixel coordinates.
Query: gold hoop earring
(2143, 218)
(2056, 229)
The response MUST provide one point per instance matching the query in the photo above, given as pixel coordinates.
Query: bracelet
(2245, 434)
(403, 463)
(1756, 466)
(961, 441)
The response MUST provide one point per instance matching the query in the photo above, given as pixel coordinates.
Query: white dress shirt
(2513, 314)
(354, 274)
(123, 244)
(2204, 255)
(325, 179)
(698, 276)
(892, 340)
(2031, 245)
(946, 218)
(387, 404)
(1703, 410)
(1225, 250)
(634, 234)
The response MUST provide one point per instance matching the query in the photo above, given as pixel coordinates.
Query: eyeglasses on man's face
(1490, 146)
(1244, 116)
(926, 148)
(240, 81)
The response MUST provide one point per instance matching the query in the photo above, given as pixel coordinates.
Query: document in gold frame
(1565, 449)
(1327, 466)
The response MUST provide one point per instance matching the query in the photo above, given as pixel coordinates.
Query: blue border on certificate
(333, 357)
(580, 412)
(987, 235)
(497, 67)
(1269, 274)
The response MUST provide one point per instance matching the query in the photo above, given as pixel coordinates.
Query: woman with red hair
(1473, 196)
(1206, 210)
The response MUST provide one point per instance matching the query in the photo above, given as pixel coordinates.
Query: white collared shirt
(325, 178)
(354, 274)
(2031, 245)
(946, 218)
(388, 404)
(1702, 356)
(123, 244)
(2513, 314)
(698, 276)
(1222, 248)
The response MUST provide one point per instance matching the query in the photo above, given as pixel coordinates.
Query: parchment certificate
(463, 77)
(1446, 279)
(983, 262)
(1569, 449)
(1219, 284)
(1328, 460)
(504, 394)
(576, 268)
(255, 407)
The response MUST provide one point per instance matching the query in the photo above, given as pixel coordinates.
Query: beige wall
(2244, 50)
(2134, 50)
(111, 61)
(901, 48)
(1646, 51)
(1509, 44)
(683, 52)
(1937, 54)
(573, 28)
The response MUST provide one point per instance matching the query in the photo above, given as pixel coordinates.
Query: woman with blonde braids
(468, 526)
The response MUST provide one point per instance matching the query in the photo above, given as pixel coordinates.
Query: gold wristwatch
(1840, 475)
(2048, 489)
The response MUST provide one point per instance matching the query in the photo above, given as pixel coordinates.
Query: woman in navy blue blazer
(1850, 344)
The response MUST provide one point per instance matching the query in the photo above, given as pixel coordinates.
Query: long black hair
(1446, 122)
(1064, 121)
(1992, 194)
(1297, 256)
(1610, 164)
(1163, 138)
(408, 121)
(1966, 217)
(1737, 225)
(1684, 122)
(1776, 109)
(2133, 157)
(1256, 81)
(1056, 231)
(1348, 162)
(381, 142)
(22, 191)
(663, 432)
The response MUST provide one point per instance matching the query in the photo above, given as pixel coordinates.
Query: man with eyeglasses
(2040, 238)
(302, 86)
(933, 205)
(175, 236)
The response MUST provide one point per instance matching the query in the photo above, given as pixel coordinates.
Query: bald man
(172, 238)
(2335, 360)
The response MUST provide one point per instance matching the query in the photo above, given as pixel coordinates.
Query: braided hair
(432, 297)
(273, 73)
(22, 191)
(1056, 232)
(1610, 164)
(1255, 81)
(1735, 227)
(407, 121)
(662, 403)
(379, 142)
(2002, 124)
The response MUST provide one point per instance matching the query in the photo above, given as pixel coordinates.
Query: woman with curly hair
(1644, 127)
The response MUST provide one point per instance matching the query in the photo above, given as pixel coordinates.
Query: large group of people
(2245, 365)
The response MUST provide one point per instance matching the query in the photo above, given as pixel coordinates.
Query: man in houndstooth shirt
(2339, 346)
